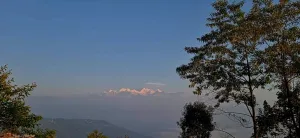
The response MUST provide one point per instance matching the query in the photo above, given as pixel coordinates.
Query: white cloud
(144, 91)
(155, 83)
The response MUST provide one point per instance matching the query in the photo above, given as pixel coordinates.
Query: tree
(47, 133)
(245, 51)
(196, 121)
(15, 115)
(227, 64)
(96, 134)
(281, 59)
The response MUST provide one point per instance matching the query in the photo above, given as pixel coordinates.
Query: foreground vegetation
(16, 116)
(247, 51)
(97, 134)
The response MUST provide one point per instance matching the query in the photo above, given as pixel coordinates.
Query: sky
(83, 46)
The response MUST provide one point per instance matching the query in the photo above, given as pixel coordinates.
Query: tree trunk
(252, 100)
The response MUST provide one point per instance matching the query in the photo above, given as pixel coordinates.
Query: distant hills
(154, 116)
(79, 128)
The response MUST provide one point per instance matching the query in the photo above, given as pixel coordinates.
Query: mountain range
(128, 91)
(154, 115)
(80, 128)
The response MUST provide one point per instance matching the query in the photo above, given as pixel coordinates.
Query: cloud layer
(144, 91)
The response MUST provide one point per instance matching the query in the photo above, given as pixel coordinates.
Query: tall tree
(15, 115)
(226, 65)
(196, 121)
(96, 134)
(282, 60)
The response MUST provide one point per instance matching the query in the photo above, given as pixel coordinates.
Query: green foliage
(96, 134)
(196, 121)
(250, 50)
(227, 64)
(15, 115)
(281, 60)
(47, 133)
(268, 119)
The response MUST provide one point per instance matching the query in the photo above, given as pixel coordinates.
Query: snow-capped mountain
(126, 91)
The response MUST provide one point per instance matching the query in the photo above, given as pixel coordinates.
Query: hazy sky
(94, 45)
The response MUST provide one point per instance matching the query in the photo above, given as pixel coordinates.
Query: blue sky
(81, 46)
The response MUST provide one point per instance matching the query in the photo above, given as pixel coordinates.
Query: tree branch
(239, 121)
(224, 132)
(233, 112)
(248, 109)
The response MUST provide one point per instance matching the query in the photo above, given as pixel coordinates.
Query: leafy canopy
(196, 121)
(15, 115)
(250, 50)
(96, 134)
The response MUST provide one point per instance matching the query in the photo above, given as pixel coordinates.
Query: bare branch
(233, 112)
(239, 121)
(225, 132)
